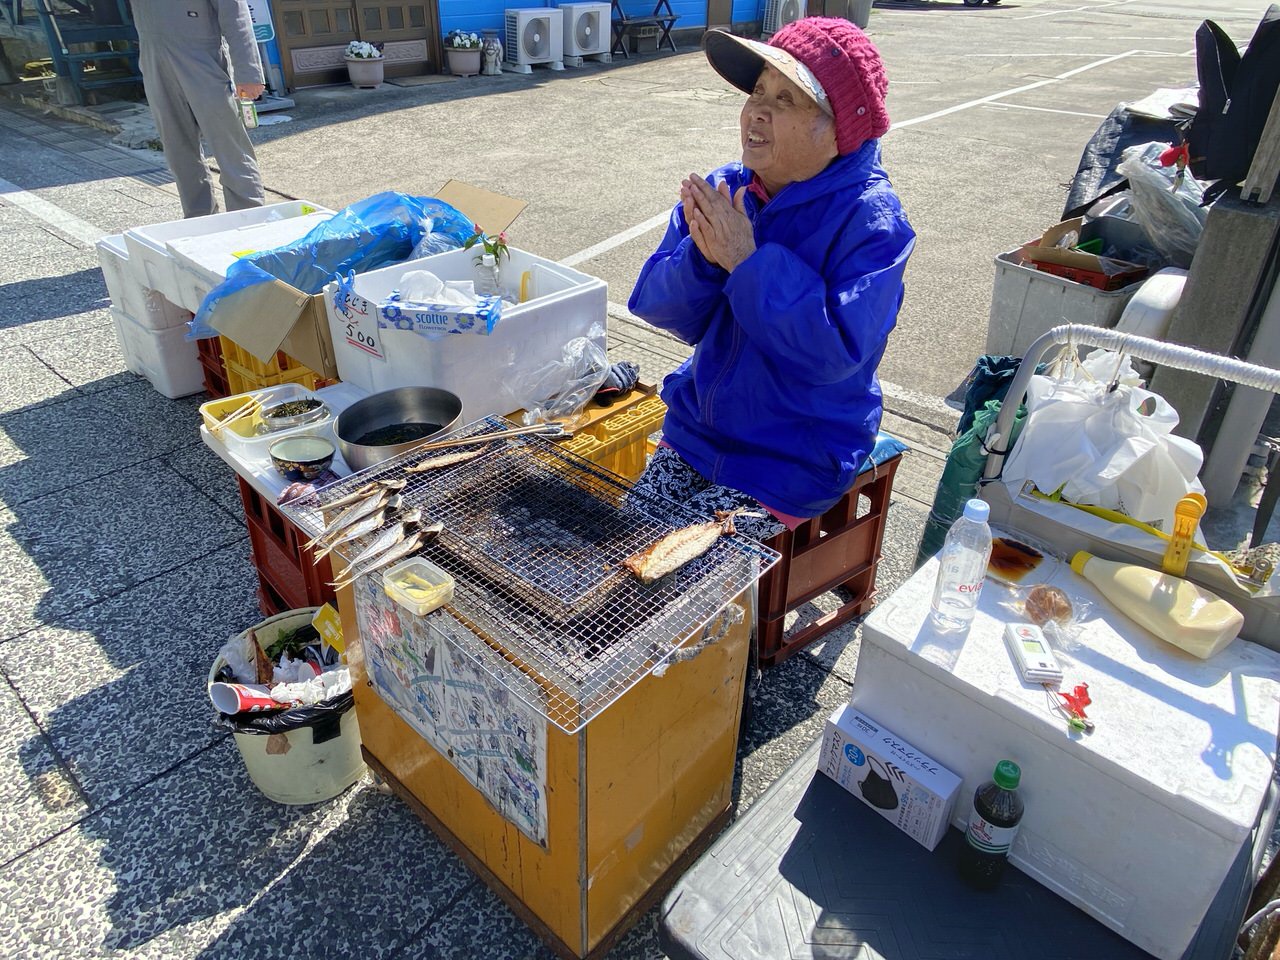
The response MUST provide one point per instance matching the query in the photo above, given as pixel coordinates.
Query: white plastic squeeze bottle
(1175, 610)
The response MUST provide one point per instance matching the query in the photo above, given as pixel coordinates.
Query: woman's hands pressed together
(718, 223)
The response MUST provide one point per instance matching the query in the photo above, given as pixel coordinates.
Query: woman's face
(786, 136)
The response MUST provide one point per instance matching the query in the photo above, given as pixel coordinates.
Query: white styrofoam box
(900, 782)
(1138, 823)
(563, 304)
(165, 357)
(147, 307)
(154, 267)
(202, 261)
(1026, 302)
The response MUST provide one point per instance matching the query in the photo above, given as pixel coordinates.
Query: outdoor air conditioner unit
(534, 35)
(778, 13)
(856, 11)
(586, 29)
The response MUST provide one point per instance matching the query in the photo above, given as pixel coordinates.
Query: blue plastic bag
(378, 231)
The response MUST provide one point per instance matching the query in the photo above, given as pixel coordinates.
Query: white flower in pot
(462, 50)
(364, 64)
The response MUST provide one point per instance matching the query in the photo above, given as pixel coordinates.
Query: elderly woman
(785, 273)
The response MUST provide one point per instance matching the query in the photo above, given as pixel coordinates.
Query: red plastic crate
(209, 350)
(287, 578)
(838, 549)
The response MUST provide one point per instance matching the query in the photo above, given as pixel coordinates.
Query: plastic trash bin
(305, 755)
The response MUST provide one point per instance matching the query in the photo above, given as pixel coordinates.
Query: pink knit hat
(828, 58)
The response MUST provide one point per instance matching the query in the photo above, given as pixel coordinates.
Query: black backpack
(1236, 93)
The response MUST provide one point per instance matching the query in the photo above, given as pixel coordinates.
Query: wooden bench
(624, 23)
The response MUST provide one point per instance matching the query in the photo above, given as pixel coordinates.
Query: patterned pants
(668, 475)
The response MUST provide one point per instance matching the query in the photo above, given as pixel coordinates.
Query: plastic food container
(246, 437)
(418, 586)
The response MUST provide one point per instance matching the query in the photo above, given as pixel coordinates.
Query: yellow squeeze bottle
(1175, 610)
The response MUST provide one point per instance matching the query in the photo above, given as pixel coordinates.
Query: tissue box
(910, 789)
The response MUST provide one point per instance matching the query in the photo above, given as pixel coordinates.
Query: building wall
(477, 15)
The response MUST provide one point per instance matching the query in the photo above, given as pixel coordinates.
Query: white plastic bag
(1167, 207)
(560, 388)
(1112, 448)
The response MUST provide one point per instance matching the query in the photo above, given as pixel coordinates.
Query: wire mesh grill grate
(534, 537)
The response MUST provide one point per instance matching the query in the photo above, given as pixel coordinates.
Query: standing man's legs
(179, 135)
(209, 92)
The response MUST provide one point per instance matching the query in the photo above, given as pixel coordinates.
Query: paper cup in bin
(302, 755)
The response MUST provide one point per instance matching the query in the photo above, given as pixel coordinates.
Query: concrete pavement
(127, 825)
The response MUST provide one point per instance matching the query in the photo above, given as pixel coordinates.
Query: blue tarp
(376, 232)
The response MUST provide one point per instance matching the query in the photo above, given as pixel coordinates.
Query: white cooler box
(146, 307)
(154, 266)
(165, 357)
(563, 304)
(201, 263)
(1139, 824)
(1026, 302)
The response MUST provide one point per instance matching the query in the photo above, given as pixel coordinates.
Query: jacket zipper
(735, 348)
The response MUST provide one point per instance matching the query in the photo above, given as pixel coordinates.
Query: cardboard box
(914, 792)
(1076, 265)
(277, 316)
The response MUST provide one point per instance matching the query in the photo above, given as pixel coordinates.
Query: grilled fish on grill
(402, 549)
(448, 460)
(368, 490)
(388, 538)
(360, 528)
(357, 511)
(679, 547)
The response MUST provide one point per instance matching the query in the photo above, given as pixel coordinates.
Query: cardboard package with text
(911, 790)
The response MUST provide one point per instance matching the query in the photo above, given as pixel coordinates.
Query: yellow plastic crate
(246, 372)
(619, 442)
(241, 380)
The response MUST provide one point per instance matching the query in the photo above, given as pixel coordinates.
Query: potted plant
(364, 64)
(462, 49)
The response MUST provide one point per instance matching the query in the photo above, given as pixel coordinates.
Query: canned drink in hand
(248, 113)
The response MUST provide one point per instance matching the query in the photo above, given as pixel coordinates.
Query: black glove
(620, 379)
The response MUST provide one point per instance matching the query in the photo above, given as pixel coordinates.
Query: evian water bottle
(963, 568)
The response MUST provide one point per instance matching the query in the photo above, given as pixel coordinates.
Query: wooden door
(719, 13)
(314, 33)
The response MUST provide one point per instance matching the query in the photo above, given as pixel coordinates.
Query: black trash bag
(325, 719)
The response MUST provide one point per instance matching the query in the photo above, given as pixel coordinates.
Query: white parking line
(51, 214)
(1023, 106)
(947, 111)
(617, 239)
(1091, 8)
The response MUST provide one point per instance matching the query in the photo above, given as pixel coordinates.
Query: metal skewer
(553, 430)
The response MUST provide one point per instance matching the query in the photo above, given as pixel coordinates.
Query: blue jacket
(780, 398)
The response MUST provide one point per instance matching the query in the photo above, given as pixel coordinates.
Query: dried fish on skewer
(402, 549)
(681, 546)
(357, 530)
(368, 490)
(357, 511)
(448, 460)
(388, 538)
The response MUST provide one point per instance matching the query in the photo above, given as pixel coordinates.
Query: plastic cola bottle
(997, 811)
(963, 568)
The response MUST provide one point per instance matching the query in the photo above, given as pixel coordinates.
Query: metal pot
(386, 409)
